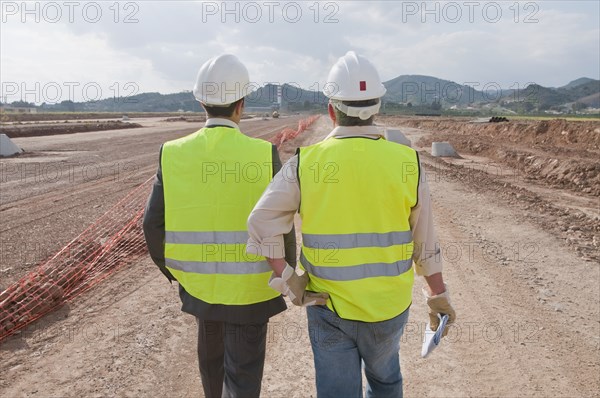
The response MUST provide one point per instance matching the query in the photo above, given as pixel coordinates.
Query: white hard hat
(353, 78)
(222, 80)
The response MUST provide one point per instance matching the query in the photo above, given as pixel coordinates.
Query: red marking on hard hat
(363, 85)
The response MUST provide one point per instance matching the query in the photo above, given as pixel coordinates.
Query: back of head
(354, 90)
(222, 82)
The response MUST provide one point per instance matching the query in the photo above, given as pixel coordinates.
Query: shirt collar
(217, 121)
(373, 131)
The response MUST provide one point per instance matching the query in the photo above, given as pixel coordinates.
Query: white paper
(432, 339)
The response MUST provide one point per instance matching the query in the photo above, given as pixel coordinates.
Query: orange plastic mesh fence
(113, 241)
(288, 134)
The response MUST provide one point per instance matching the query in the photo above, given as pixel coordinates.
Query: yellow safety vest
(212, 180)
(356, 198)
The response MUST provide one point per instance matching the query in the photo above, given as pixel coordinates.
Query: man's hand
(439, 304)
(294, 286)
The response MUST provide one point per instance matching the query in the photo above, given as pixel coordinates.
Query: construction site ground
(33, 129)
(519, 244)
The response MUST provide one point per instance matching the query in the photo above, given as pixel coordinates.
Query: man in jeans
(366, 216)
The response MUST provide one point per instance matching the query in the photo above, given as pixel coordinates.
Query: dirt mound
(558, 132)
(34, 130)
(29, 117)
(191, 119)
(575, 227)
(559, 153)
(576, 174)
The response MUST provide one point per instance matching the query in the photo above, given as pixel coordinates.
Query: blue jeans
(341, 347)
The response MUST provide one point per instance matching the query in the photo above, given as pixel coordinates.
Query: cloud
(164, 43)
(50, 64)
(561, 45)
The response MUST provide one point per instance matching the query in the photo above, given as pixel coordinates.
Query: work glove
(439, 304)
(294, 286)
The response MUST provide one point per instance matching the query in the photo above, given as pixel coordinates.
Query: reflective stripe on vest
(347, 241)
(356, 199)
(229, 268)
(198, 238)
(355, 272)
(212, 179)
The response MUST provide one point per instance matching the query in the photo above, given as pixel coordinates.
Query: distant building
(258, 109)
(17, 109)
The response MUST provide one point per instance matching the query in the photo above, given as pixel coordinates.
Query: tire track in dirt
(517, 332)
(126, 337)
(40, 215)
(527, 325)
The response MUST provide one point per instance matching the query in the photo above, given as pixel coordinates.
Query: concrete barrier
(395, 135)
(443, 149)
(7, 147)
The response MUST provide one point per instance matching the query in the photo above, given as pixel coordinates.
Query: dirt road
(528, 303)
(64, 182)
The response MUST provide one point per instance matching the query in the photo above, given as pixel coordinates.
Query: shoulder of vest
(387, 146)
(401, 148)
(311, 146)
(258, 141)
(241, 136)
(383, 141)
(181, 140)
(267, 146)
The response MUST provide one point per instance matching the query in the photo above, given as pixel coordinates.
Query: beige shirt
(274, 213)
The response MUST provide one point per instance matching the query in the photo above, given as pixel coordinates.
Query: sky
(54, 51)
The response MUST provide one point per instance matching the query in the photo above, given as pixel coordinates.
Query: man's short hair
(344, 120)
(221, 111)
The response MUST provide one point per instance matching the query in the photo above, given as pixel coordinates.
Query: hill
(425, 92)
(584, 91)
(421, 90)
(294, 98)
(577, 82)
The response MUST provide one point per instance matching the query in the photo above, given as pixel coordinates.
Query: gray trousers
(231, 358)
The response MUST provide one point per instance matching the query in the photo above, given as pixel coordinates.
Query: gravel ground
(527, 300)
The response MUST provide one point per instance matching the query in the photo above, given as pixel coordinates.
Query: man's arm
(154, 223)
(289, 239)
(427, 256)
(273, 216)
(435, 283)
